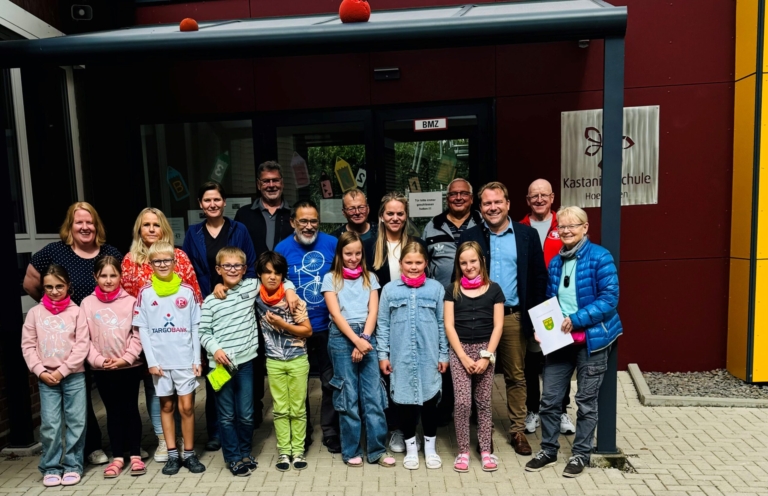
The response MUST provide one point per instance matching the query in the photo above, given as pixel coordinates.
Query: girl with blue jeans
(413, 350)
(351, 296)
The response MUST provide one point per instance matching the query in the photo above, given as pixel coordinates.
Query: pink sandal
(137, 466)
(52, 480)
(70, 479)
(461, 464)
(489, 461)
(114, 469)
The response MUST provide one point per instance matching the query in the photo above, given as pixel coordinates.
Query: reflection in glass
(9, 127)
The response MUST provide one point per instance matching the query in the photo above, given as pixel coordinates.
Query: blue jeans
(234, 404)
(62, 407)
(558, 369)
(357, 386)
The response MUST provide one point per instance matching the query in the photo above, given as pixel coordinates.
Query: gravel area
(714, 384)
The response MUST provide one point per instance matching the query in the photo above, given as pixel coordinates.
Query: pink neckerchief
(106, 297)
(352, 273)
(414, 282)
(55, 307)
(471, 283)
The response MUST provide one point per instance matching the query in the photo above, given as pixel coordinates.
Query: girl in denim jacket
(413, 349)
(352, 299)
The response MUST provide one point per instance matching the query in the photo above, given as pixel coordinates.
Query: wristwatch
(490, 356)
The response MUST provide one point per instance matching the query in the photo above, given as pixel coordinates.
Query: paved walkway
(675, 451)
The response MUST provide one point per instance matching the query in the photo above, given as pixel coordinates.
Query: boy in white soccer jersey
(168, 319)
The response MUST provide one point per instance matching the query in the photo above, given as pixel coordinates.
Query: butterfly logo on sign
(593, 135)
(549, 324)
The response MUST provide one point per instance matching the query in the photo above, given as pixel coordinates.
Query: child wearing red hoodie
(114, 357)
(54, 342)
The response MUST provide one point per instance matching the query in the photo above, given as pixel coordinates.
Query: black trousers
(211, 412)
(409, 417)
(259, 373)
(92, 431)
(320, 362)
(534, 365)
(119, 390)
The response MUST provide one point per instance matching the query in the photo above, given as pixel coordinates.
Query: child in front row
(54, 342)
(285, 341)
(228, 331)
(168, 317)
(413, 350)
(114, 356)
(351, 296)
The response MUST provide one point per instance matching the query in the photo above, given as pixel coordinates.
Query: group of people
(400, 329)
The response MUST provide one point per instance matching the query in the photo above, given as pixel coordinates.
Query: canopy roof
(467, 25)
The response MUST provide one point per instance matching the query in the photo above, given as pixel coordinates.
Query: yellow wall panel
(743, 162)
(760, 350)
(762, 205)
(736, 359)
(746, 37)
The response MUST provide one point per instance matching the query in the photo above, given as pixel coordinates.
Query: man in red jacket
(544, 220)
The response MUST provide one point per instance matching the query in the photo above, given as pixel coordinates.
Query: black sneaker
(333, 443)
(172, 466)
(540, 461)
(251, 463)
(193, 465)
(283, 463)
(239, 469)
(575, 466)
(213, 444)
(299, 462)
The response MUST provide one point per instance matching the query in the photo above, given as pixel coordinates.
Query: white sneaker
(532, 422)
(397, 442)
(98, 457)
(161, 453)
(566, 425)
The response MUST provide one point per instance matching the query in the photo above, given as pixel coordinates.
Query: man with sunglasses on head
(268, 223)
(355, 209)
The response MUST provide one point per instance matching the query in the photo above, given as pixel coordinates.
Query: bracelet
(365, 337)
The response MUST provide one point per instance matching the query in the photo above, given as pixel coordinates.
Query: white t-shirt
(168, 327)
(393, 257)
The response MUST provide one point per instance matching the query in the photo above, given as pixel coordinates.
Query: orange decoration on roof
(188, 24)
(354, 11)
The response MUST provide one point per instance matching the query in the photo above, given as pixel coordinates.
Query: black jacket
(257, 226)
(532, 274)
(383, 273)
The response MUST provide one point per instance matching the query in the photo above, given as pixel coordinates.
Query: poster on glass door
(581, 157)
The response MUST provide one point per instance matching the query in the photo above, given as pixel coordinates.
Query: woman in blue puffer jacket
(584, 279)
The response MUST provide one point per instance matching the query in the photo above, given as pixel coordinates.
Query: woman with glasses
(584, 279)
(382, 255)
(151, 226)
(201, 243)
(83, 243)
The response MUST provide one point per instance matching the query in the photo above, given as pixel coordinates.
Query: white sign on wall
(581, 157)
(426, 204)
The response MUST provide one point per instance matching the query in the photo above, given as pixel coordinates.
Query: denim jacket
(411, 335)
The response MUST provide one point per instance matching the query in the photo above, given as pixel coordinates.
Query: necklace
(567, 279)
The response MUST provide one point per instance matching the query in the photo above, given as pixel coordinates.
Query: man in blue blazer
(515, 260)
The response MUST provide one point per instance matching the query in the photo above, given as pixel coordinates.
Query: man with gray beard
(309, 254)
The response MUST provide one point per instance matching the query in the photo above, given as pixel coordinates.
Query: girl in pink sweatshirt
(114, 356)
(54, 342)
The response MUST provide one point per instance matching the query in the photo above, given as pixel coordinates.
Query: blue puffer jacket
(597, 292)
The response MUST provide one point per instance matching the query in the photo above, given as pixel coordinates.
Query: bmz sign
(430, 124)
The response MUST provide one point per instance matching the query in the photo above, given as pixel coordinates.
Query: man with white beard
(309, 254)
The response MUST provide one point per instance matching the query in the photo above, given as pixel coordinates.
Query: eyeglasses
(162, 263)
(231, 267)
(306, 222)
(569, 227)
(354, 210)
(462, 194)
(55, 289)
(271, 181)
(538, 197)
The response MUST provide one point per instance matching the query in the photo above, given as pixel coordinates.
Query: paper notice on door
(195, 217)
(330, 211)
(177, 226)
(547, 321)
(234, 204)
(425, 204)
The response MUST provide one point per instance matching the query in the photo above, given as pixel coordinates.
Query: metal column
(610, 215)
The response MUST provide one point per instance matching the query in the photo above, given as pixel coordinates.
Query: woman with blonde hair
(83, 243)
(150, 227)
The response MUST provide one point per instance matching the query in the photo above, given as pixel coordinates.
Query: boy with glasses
(168, 317)
(229, 333)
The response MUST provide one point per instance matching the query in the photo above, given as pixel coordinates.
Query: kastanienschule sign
(581, 157)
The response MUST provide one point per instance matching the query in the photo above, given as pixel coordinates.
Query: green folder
(219, 376)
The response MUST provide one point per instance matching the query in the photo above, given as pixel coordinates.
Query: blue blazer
(194, 247)
(597, 294)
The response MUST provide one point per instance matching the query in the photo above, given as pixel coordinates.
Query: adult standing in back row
(544, 220)
(514, 259)
(201, 244)
(268, 221)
